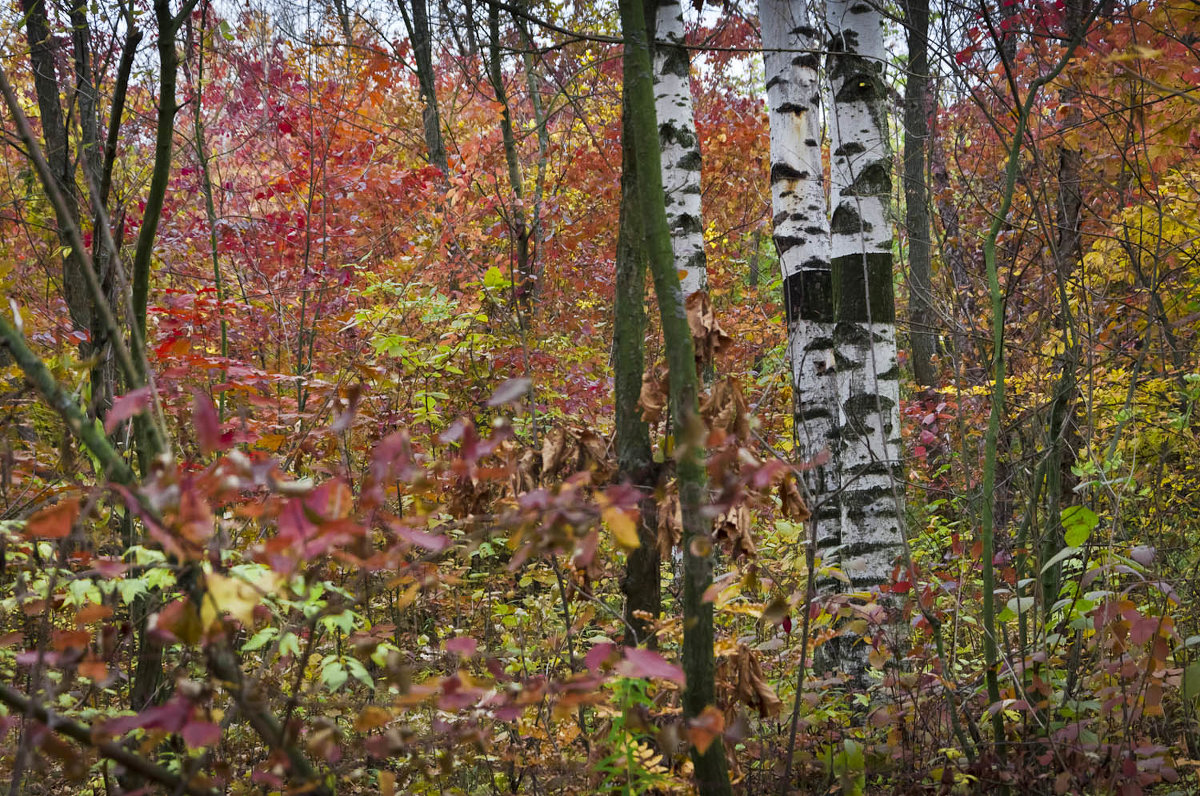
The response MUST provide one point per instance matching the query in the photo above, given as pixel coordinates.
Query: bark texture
(801, 229)
(699, 665)
(922, 333)
(865, 329)
(680, 146)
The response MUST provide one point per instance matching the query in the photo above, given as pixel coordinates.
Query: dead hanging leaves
(568, 449)
(708, 338)
(733, 531)
(752, 688)
(790, 500)
(725, 411)
(670, 521)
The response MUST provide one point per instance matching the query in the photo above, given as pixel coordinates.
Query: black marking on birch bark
(859, 85)
(850, 148)
(687, 224)
(865, 405)
(668, 132)
(862, 288)
(856, 549)
(775, 81)
(793, 108)
(861, 8)
(806, 61)
(891, 374)
(804, 31)
(781, 171)
(785, 243)
(810, 142)
(873, 180)
(809, 296)
(779, 218)
(814, 231)
(820, 343)
(847, 221)
(813, 412)
(800, 217)
(675, 60)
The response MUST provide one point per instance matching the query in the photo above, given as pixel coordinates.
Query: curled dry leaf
(724, 408)
(670, 522)
(733, 531)
(752, 688)
(792, 503)
(554, 451)
(653, 398)
(708, 338)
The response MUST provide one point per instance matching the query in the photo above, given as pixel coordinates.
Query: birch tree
(864, 316)
(801, 230)
(680, 145)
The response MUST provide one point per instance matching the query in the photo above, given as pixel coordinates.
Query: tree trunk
(42, 59)
(643, 584)
(422, 43)
(922, 336)
(680, 145)
(523, 281)
(802, 241)
(699, 665)
(864, 316)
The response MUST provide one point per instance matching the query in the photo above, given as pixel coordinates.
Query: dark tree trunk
(922, 334)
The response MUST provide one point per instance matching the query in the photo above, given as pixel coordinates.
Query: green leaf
(334, 674)
(1078, 523)
(1065, 553)
(494, 279)
(260, 639)
(1191, 681)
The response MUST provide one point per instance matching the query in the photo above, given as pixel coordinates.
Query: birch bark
(680, 145)
(864, 322)
(801, 231)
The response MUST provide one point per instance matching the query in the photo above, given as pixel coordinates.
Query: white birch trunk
(865, 331)
(801, 231)
(680, 146)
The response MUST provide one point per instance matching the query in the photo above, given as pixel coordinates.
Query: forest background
(344, 449)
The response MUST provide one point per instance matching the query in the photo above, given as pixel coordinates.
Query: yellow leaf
(623, 527)
(233, 596)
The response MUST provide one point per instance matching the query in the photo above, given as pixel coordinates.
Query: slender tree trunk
(922, 334)
(802, 240)
(523, 281)
(43, 49)
(699, 665)
(1068, 251)
(865, 330)
(680, 145)
(642, 584)
(419, 33)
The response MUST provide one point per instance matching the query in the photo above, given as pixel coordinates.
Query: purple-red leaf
(208, 426)
(510, 391)
(649, 664)
(125, 407)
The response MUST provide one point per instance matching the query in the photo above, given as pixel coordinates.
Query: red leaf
(126, 407)
(54, 522)
(462, 645)
(208, 427)
(201, 733)
(597, 655)
(648, 663)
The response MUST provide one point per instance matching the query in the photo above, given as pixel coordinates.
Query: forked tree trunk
(802, 240)
(680, 145)
(865, 328)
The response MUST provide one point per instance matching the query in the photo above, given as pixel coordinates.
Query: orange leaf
(706, 728)
(54, 522)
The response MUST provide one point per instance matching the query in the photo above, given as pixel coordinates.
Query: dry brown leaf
(752, 688)
(793, 505)
(670, 522)
(708, 338)
(653, 398)
(554, 451)
(733, 530)
(724, 407)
